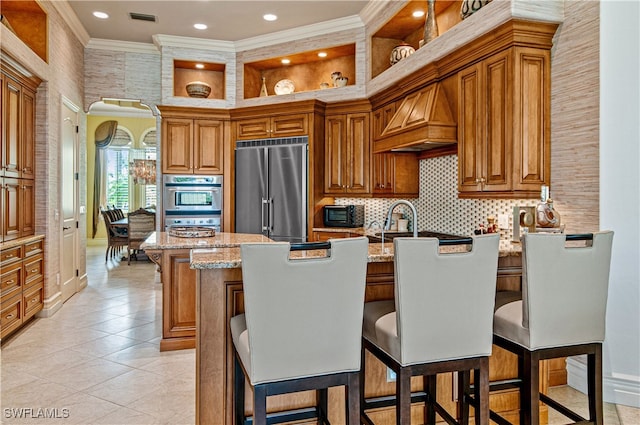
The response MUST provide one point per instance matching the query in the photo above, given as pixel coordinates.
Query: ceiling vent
(142, 17)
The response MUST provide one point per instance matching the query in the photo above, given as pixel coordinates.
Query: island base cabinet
(178, 299)
(219, 297)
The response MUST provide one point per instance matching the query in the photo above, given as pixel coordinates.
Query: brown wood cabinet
(18, 208)
(273, 126)
(504, 124)
(18, 126)
(21, 283)
(396, 175)
(347, 149)
(193, 140)
(319, 236)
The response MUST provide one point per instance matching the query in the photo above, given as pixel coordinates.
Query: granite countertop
(229, 258)
(162, 240)
(21, 241)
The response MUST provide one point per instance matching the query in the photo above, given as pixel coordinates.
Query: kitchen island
(219, 296)
(171, 254)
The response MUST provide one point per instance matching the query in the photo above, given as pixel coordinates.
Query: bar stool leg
(403, 394)
(481, 379)
(594, 386)
(321, 404)
(352, 402)
(529, 392)
(259, 405)
(238, 391)
(430, 385)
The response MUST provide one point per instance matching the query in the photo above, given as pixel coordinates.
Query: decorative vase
(469, 7)
(400, 52)
(430, 24)
(263, 89)
(198, 89)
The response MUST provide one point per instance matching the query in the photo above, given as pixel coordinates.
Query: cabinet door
(405, 169)
(335, 154)
(257, 128)
(325, 236)
(470, 129)
(27, 207)
(11, 126)
(179, 288)
(497, 118)
(289, 125)
(28, 134)
(177, 134)
(382, 174)
(381, 118)
(11, 224)
(207, 147)
(532, 129)
(358, 153)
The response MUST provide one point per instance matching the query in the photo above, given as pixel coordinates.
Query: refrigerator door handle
(262, 226)
(271, 215)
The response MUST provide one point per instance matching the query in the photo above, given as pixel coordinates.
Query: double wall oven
(192, 200)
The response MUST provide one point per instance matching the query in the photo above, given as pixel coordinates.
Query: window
(117, 170)
(117, 182)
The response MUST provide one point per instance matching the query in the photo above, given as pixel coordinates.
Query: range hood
(423, 121)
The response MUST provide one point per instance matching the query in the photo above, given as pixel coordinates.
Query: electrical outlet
(391, 375)
(503, 221)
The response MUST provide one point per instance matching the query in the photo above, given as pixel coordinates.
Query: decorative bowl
(192, 232)
(198, 89)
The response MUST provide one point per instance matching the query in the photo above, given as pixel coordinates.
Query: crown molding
(70, 17)
(163, 40)
(123, 46)
(373, 8)
(295, 34)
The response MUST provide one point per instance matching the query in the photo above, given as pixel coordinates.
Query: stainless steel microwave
(192, 194)
(343, 215)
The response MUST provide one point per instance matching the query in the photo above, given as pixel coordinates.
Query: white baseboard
(51, 305)
(616, 389)
(83, 281)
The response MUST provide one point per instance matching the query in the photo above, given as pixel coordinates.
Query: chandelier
(143, 168)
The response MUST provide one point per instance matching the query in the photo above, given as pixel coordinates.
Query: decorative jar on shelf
(400, 52)
(198, 89)
(469, 7)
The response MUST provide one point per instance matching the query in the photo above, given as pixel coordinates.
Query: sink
(388, 236)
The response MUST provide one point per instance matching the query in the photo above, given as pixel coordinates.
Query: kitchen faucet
(413, 211)
(379, 227)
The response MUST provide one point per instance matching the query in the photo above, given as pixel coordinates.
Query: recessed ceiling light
(100, 15)
(200, 66)
(418, 14)
(200, 26)
(269, 17)
(286, 61)
(322, 54)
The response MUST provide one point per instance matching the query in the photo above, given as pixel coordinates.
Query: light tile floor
(97, 360)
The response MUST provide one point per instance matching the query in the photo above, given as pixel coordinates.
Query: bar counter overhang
(219, 297)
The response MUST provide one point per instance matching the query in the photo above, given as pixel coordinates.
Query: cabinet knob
(33, 270)
(9, 316)
(34, 299)
(9, 282)
(24, 170)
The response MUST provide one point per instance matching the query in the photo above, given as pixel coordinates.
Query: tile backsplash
(438, 206)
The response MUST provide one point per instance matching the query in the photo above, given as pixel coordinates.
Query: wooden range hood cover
(423, 121)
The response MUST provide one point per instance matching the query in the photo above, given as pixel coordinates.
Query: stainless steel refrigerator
(271, 188)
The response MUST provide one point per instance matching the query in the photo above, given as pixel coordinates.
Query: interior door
(69, 200)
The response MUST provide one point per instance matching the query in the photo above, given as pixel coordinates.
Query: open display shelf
(403, 28)
(185, 71)
(306, 70)
(28, 22)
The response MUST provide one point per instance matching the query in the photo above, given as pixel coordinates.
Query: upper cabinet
(272, 126)
(504, 125)
(193, 140)
(300, 72)
(347, 148)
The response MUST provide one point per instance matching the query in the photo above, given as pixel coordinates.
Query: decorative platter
(284, 87)
(192, 232)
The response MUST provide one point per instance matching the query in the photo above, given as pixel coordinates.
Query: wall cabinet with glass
(304, 71)
(193, 140)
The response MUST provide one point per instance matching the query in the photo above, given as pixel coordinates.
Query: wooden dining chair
(142, 223)
(115, 240)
